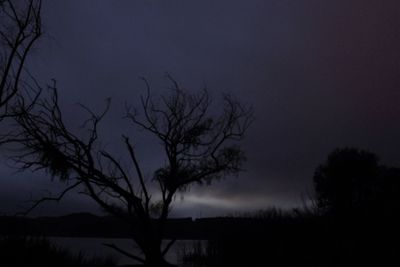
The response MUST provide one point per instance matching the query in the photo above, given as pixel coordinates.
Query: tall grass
(22, 251)
(298, 239)
(196, 254)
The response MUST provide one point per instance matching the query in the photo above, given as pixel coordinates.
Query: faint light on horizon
(209, 205)
(233, 203)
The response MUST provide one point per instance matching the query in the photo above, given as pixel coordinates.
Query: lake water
(93, 247)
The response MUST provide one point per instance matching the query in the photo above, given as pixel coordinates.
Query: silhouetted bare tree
(20, 27)
(199, 147)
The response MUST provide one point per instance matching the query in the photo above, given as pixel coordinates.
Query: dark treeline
(86, 225)
(279, 239)
(89, 225)
(302, 239)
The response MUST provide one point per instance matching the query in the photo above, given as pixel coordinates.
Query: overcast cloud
(320, 74)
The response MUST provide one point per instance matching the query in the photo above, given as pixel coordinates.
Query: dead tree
(199, 147)
(20, 28)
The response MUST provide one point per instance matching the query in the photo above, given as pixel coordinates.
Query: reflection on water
(93, 247)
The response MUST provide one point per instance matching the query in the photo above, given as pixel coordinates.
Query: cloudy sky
(320, 75)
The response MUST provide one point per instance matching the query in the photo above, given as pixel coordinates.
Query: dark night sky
(320, 74)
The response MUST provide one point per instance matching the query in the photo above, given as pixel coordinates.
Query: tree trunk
(154, 258)
(149, 238)
(150, 243)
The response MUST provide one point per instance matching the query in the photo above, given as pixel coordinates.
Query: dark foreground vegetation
(19, 251)
(269, 238)
(299, 239)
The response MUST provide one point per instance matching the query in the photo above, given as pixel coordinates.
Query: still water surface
(93, 247)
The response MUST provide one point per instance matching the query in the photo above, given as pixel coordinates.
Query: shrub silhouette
(346, 184)
(352, 183)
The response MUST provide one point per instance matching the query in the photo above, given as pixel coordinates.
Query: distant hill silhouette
(89, 225)
(76, 225)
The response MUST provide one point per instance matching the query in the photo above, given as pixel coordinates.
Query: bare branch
(45, 199)
(121, 170)
(129, 255)
(168, 246)
(20, 28)
(139, 173)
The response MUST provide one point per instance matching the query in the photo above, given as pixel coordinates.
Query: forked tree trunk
(154, 258)
(150, 243)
